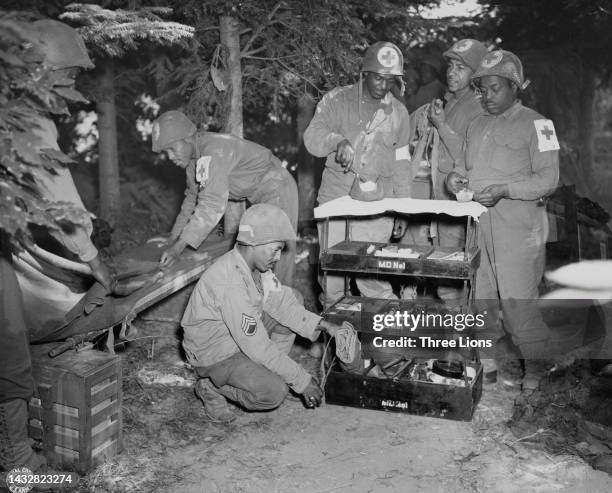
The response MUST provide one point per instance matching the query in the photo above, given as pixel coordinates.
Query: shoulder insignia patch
(547, 137)
(203, 170)
(248, 325)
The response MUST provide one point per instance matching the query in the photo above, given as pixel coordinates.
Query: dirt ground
(169, 445)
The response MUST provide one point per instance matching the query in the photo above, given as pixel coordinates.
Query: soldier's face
(67, 75)
(378, 85)
(457, 75)
(180, 153)
(266, 256)
(498, 93)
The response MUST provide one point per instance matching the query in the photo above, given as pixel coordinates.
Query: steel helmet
(169, 127)
(503, 64)
(383, 58)
(468, 51)
(60, 44)
(264, 223)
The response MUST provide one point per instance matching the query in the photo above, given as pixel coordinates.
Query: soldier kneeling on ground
(240, 323)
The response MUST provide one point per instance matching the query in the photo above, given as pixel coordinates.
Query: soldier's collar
(240, 262)
(451, 96)
(510, 112)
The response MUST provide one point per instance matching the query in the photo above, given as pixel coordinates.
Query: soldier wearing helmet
(451, 119)
(240, 323)
(511, 161)
(220, 167)
(363, 132)
(34, 303)
(63, 52)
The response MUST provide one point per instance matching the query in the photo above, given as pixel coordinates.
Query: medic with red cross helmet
(220, 167)
(363, 133)
(510, 162)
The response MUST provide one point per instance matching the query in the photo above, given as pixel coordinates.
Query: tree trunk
(107, 145)
(306, 176)
(230, 38)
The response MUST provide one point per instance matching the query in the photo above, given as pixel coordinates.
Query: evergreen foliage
(113, 33)
(28, 92)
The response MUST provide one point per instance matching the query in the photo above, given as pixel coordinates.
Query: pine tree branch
(273, 59)
(208, 28)
(252, 52)
(261, 28)
(304, 78)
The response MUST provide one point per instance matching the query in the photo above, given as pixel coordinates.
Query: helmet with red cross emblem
(383, 58)
(169, 127)
(264, 223)
(468, 51)
(503, 64)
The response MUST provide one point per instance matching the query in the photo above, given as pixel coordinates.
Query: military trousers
(250, 384)
(512, 242)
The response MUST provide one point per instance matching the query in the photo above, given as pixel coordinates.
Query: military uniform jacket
(225, 167)
(459, 113)
(223, 317)
(518, 148)
(379, 131)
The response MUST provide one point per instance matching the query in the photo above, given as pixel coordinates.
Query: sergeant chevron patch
(249, 325)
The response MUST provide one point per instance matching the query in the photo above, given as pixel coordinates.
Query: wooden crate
(76, 411)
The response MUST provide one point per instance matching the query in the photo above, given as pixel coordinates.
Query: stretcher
(98, 312)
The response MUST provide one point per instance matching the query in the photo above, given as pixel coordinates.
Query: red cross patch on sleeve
(248, 325)
(203, 170)
(547, 137)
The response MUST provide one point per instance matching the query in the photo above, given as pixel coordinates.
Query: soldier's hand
(455, 182)
(172, 253)
(436, 113)
(312, 395)
(400, 224)
(329, 327)
(100, 272)
(345, 154)
(491, 195)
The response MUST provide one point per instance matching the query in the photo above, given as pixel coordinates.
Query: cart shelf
(353, 256)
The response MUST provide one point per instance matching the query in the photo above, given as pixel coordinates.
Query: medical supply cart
(439, 374)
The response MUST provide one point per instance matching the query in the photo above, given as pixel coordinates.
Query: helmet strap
(359, 94)
(401, 83)
(196, 140)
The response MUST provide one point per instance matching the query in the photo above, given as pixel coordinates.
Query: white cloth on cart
(346, 206)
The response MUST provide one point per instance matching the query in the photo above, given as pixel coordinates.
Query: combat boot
(535, 371)
(215, 405)
(15, 449)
